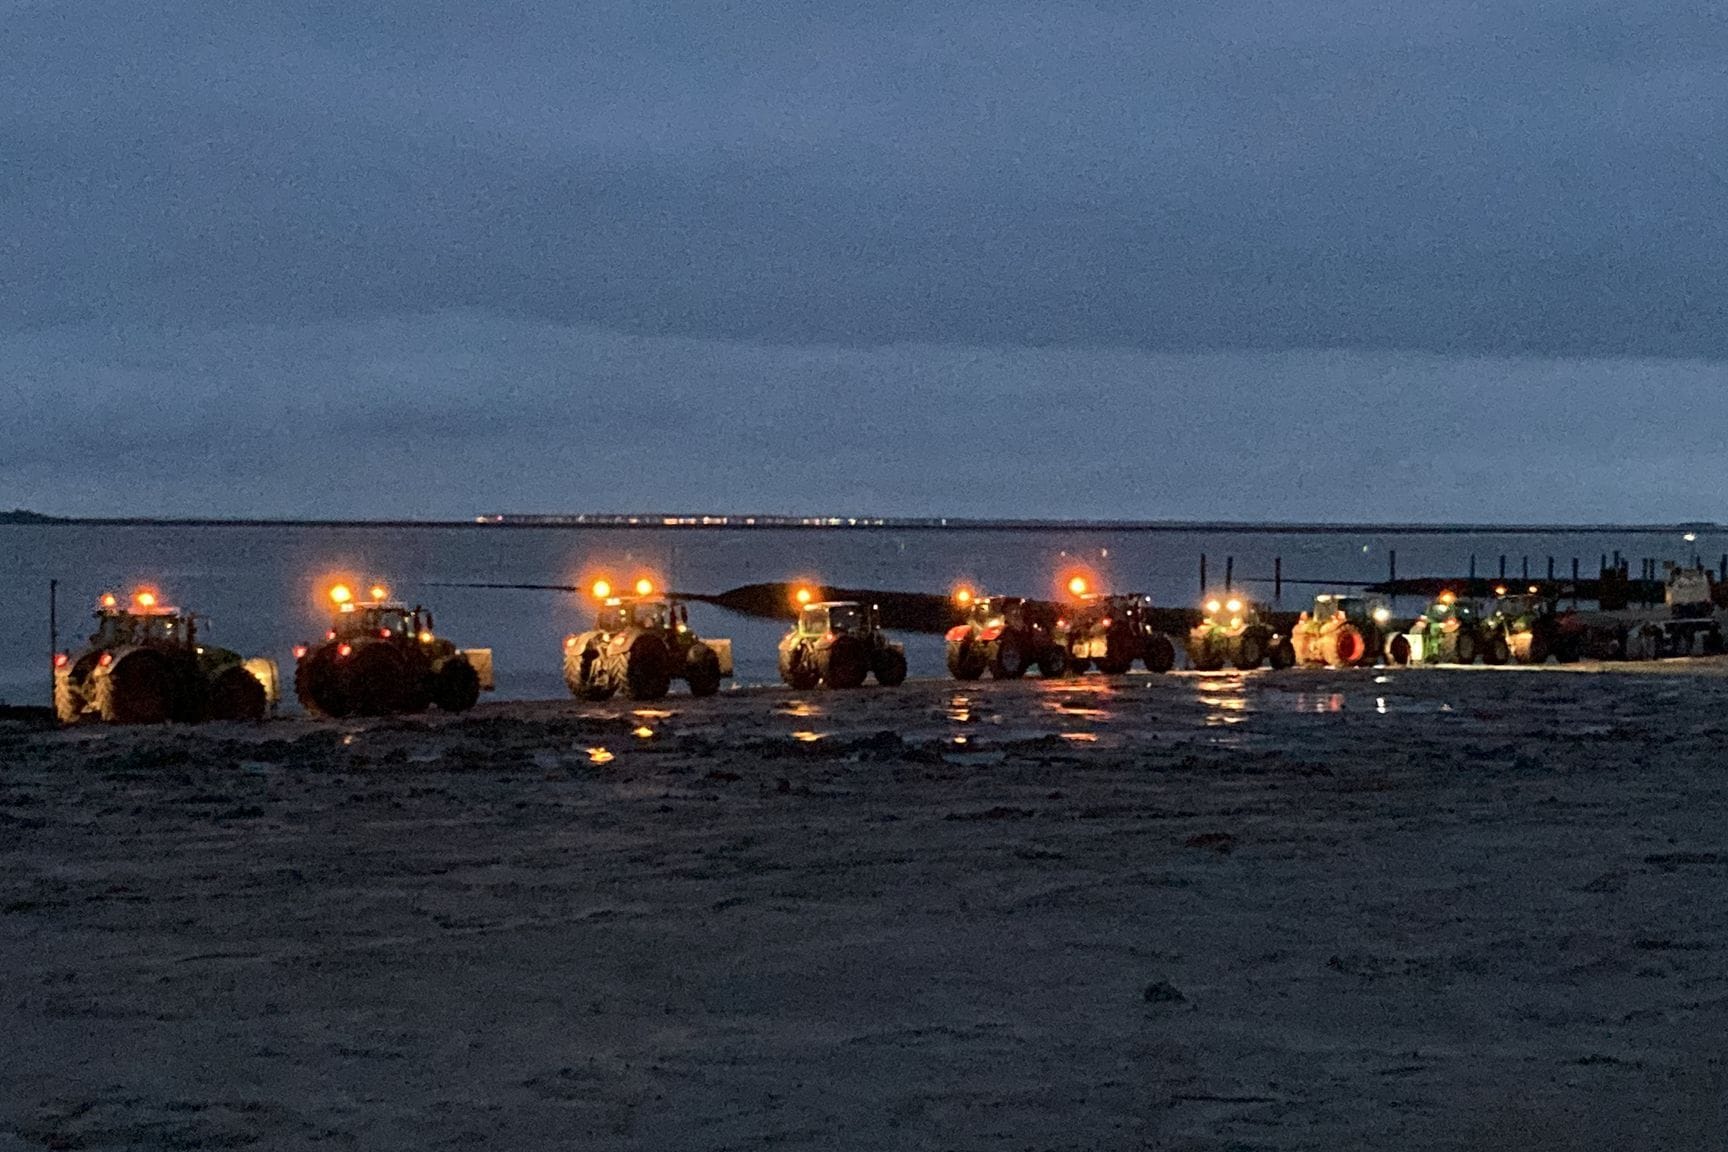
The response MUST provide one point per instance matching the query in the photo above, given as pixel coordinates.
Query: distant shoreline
(712, 523)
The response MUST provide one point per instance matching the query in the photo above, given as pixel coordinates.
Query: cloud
(457, 414)
(1457, 177)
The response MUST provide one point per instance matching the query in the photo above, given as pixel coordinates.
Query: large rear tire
(1118, 653)
(844, 663)
(68, 700)
(1495, 649)
(965, 661)
(1282, 655)
(890, 668)
(455, 686)
(1398, 650)
(140, 689)
(798, 668)
(1160, 654)
(1250, 651)
(318, 687)
(377, 677)
(1464, 647)
(648, 674)
(1053, 662)
(1347, 647)
(1008, 659)
(236, 694)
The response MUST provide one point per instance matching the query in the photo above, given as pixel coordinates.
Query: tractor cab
(1359, 610)
(837, 617)
(657, 614)
(144, 621)
(385, 621)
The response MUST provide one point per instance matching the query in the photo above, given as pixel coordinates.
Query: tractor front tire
(318, 687)
(68, 700)
(378, 679)
(1053, 662)
(1495, 650)
(702, 671)
(1282, 655)
(1250, 651)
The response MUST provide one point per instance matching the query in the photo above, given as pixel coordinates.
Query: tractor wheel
(1495, 649)
(236, 694)
(1053, 662)
(965, 661)
(1464, 648)
(318, 687)
(1250, 651)
(1540, 649)
(702, 670)
(455, 686)
(1303, 645)
(377, 679)
(68, 700)
(1398, 650)
(1281, 655)
(1159, 654)
(798, 669)
(890, 668)
(1346, 647)
(1007, 659)
(1076, 665)
(1713, 641)
(1205, 657)
(1118, 653)
(844, 663)
(140, 689)
(648, 671)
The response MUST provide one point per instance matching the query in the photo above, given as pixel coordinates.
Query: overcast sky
(1320, 261)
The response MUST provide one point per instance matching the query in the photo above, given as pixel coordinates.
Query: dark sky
(1328, 260)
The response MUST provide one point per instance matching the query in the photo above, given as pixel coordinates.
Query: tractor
(1232, 631)
(1533, 627)
(1450, 632)
(1004, 635)
(640, 644)
(1342, 632)
(838, 643)
(1689, 625)
(144, 664)
(1113, 631)
(380, 658)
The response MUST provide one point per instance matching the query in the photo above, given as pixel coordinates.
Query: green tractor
(1004, 636)
(1342, 632)
(838, 643)
(1232, 631)
(145, 665)
(1534, 628)
(639, 645)
(382, 658)
(1113, 631)
(1450, 632)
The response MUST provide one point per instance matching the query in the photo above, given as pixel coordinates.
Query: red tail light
(299, 651)
(383, 633)
(105, 659)
(345, 650)
(61, 659)
(330, 635)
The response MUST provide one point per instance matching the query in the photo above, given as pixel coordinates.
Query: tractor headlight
(1234, 605)
(1381, 615)
(1214, 606)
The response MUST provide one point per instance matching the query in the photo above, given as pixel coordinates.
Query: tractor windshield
(385, 622)
(986, 612)
(114, 629)
(650, 614)
(168, 629)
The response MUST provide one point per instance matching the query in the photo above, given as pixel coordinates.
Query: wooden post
(1526, 569)
(1550, 569)
(1229, 573)
(1502, 565)
(1472, 567)
(1202, 573)
(1392, 567)
(1277, 579)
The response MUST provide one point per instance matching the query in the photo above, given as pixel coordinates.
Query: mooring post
(1202, 573)
(53, 634)
(1277, 579)
(1229, 573)
(1574, 581)
(1525, 560)
(1502, 565)
(1472, 567)
(1723, 578)
(1550, 569)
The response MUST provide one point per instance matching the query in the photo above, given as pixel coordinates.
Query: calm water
(258, 586)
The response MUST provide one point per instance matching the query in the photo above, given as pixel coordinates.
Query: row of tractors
(146, 662)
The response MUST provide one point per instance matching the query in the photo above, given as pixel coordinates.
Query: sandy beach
(1473, 909)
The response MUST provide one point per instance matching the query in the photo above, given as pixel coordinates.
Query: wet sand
(1425, 909)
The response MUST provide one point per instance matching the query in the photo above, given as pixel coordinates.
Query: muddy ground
(1473, 909)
